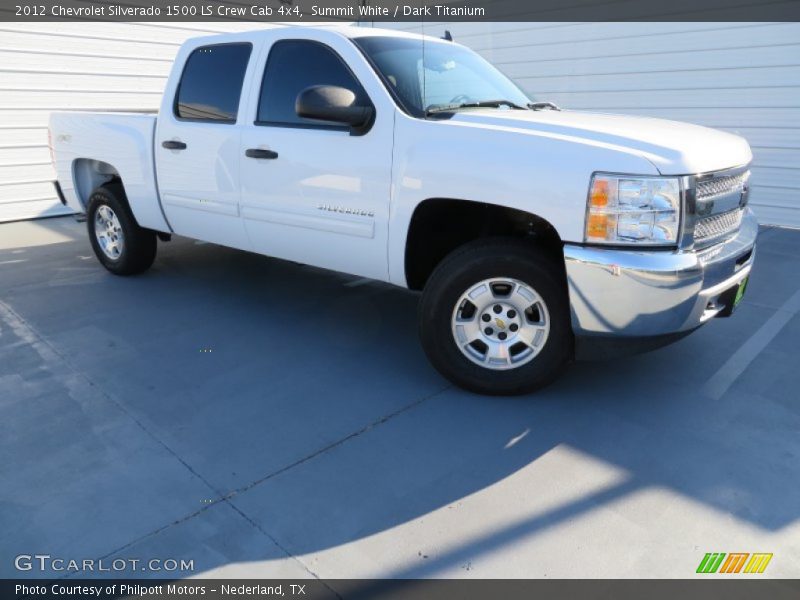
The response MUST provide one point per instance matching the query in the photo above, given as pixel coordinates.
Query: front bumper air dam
(625, 301)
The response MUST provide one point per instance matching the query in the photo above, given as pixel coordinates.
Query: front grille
(714, 227)
(721, 186)
(721, 198)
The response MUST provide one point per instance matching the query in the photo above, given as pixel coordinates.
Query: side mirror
(333, 103)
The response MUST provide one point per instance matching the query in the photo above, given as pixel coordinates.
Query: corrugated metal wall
(741, 77)
(73, 66)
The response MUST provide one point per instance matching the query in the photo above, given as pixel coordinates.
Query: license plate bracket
(732, 297)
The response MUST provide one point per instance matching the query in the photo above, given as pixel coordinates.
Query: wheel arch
(89, 174)
(440, 225)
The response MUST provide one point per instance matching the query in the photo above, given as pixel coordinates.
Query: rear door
(197, 145)
(312, 191)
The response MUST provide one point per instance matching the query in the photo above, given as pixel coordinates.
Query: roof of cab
(353, 31)
(348, 31)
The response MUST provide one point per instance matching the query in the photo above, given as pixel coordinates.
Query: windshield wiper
(438, 108)
(542, 105)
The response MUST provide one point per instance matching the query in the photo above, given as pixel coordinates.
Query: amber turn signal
(597, 226)
(599, 195)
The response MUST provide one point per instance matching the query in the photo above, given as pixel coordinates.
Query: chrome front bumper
(652, 295)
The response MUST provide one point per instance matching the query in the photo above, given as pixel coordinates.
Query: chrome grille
(717, 226)
(720, 186)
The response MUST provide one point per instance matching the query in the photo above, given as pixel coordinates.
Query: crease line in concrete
(49, 354)
(335, 444)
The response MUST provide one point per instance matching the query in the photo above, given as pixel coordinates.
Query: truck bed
(90, 148)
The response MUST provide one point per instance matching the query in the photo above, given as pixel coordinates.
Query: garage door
(741, 77)
(73, 66)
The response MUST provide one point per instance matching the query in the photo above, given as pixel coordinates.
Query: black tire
(470, 265)
(138, 248)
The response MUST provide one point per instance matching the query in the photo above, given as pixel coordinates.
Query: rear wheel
(494, 317)
(119, 243)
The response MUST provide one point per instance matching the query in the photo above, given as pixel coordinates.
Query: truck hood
(673, 147)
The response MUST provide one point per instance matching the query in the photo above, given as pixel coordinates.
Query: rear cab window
(211, 83)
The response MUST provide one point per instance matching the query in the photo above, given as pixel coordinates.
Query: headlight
(633, 210)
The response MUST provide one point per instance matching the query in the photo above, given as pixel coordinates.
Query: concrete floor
(266, 419)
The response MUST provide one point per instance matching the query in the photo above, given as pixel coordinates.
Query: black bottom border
(707, 587)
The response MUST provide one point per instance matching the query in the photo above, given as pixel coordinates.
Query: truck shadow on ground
(301, 399)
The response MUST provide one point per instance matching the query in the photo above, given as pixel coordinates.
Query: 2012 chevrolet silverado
(535, 234)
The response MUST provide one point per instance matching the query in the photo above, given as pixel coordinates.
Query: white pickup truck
(536, 235)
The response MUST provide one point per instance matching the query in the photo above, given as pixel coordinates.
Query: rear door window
(211, 84)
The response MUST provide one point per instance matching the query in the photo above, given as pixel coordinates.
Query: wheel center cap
(500, 323)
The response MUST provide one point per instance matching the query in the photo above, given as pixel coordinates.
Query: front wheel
(494, 317)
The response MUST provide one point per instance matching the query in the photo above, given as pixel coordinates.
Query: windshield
(449, 75)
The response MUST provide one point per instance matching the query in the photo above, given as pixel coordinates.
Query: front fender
(535, 172)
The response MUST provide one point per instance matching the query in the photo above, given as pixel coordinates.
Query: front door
(312, 191)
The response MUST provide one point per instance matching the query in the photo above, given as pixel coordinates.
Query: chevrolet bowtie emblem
(500, 323)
